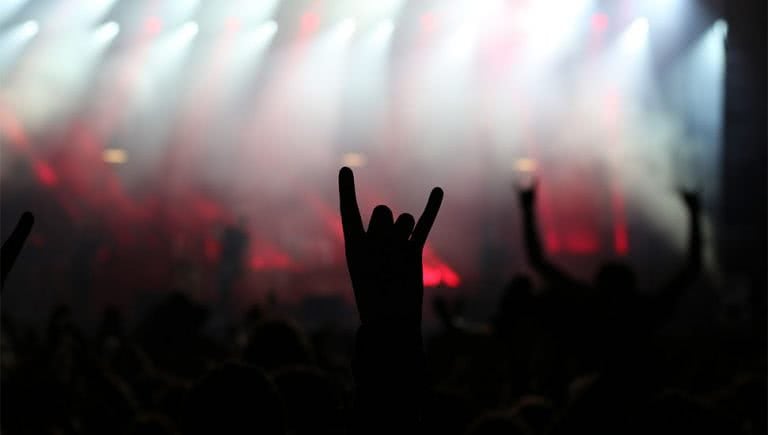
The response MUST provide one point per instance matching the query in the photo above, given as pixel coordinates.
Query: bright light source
(353, 160)
(347, 28)
(29, 29)
(384, 30)
(636, 36)
(190, 29)
(114, 155)
(525, 165)
(711, 49)
(266, 30)
(106, 32)
(721, 28)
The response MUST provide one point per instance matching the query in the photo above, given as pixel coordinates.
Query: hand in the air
(385, 262)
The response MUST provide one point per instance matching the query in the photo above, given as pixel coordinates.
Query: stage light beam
(189, 30)
(13, 43)
(10, 7)
(635, 38)
(29, 29)
(347, 29)
(107, 32)
(266, 31)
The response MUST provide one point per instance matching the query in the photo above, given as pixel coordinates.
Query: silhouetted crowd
(559, 356)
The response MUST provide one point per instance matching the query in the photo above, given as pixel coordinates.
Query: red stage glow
(620, 235)
(620, 239)
(212, 249)
(269, 258)
(437, 273)
(552, 242)
(45, 174)
(581, 242)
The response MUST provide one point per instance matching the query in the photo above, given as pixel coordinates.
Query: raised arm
(533, 248)
(385, 266)
(667, 298)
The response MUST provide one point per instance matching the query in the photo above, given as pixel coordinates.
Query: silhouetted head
(273, 344)
(314, 401)
(499, 423)
(152, 425)
(518, 290)
(60, 323)
(517, 302)
(615, 278)
(112, 323)
(675, 412)
(105, 402)
(232, 400)
(537, 412)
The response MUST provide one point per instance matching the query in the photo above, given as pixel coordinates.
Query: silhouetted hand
(385, 262)
(13, 245)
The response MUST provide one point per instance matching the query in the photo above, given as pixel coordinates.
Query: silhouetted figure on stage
(234, 245)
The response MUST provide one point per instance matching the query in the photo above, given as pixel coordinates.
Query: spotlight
(190, 29)
(353, 160)
(347, 28)
(525, 165)
(107, 31)
(267, 29)
(635, 37)
(114, 156)
(384, 30)
(30, 29)
(721, 27)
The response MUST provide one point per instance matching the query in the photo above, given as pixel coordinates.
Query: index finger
(11, 248)
(351, 221)
(421, 231)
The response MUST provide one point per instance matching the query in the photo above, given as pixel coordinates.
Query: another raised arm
(536, 258)
(667, 298)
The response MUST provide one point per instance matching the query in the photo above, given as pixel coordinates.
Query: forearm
(694, 261)
(532, 240)
(667, 299)
(389, 379)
